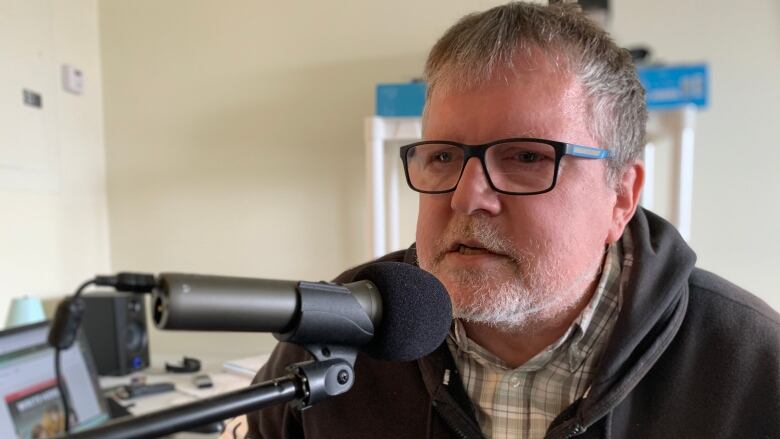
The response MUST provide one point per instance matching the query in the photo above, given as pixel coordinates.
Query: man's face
(510, 260)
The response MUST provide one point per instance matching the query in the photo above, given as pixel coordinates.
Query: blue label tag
(400, 100)
(671, 87)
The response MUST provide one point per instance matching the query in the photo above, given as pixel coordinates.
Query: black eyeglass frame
(479, 151)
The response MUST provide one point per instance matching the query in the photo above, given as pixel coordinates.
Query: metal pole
(199, 413)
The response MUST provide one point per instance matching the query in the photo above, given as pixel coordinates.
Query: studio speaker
(115, 325)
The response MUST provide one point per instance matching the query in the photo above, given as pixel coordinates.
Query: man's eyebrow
(519, 134)
(515, 135)
(505, 135)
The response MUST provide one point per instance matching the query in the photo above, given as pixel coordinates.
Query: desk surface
(185, 391)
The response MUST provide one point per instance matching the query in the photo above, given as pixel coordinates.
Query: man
(577, 314)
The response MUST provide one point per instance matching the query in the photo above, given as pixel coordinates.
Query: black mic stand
(331, 374)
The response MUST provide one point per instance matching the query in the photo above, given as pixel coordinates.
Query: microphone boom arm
(306, 384)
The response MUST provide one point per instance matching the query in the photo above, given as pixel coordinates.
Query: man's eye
(442, 157)
(528, 156)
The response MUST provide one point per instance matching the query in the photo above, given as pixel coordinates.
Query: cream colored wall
(54, 221)
(234, 132)
(736, 183)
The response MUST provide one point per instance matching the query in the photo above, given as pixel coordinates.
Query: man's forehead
(521, 103)
(459, 78)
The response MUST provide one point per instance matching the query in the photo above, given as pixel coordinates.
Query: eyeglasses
(518, 166)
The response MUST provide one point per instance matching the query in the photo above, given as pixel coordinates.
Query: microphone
(392, 311)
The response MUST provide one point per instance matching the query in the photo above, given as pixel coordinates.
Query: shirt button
(514, 381)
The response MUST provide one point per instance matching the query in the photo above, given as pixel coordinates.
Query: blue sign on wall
(668, 87)
(400, 100)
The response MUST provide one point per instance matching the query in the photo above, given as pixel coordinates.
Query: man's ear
(628, 189)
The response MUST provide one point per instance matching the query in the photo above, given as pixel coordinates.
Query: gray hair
(483, 44)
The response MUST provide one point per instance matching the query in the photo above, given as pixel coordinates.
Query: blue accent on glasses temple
(586, 152)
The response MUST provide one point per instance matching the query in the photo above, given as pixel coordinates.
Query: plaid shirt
(523, 402)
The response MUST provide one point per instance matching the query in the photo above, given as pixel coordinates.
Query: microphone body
(222, 303)
(392, 311)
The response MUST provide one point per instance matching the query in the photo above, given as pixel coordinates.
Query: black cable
(61, 387)
(70, 311)
(57, 363)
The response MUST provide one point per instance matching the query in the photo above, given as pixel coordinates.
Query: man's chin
(497, 303)
(475, 271)
(464, 289)
(473, 297)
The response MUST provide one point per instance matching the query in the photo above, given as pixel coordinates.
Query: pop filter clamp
(333, 368)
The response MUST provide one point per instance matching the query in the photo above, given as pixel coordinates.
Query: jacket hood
(654, 304)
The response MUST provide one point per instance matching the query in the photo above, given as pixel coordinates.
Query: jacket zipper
(461, 434)
(576, 431)
(452, 426)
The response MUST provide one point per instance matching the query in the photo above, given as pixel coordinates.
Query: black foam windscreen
(416, 311)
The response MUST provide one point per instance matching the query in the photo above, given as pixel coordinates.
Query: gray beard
(513, 305)
(534, 293)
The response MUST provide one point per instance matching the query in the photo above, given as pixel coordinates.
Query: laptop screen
(30, 403)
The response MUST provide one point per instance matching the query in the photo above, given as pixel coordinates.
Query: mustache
(475, 231)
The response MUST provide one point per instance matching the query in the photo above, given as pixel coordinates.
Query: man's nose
(473, 192)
